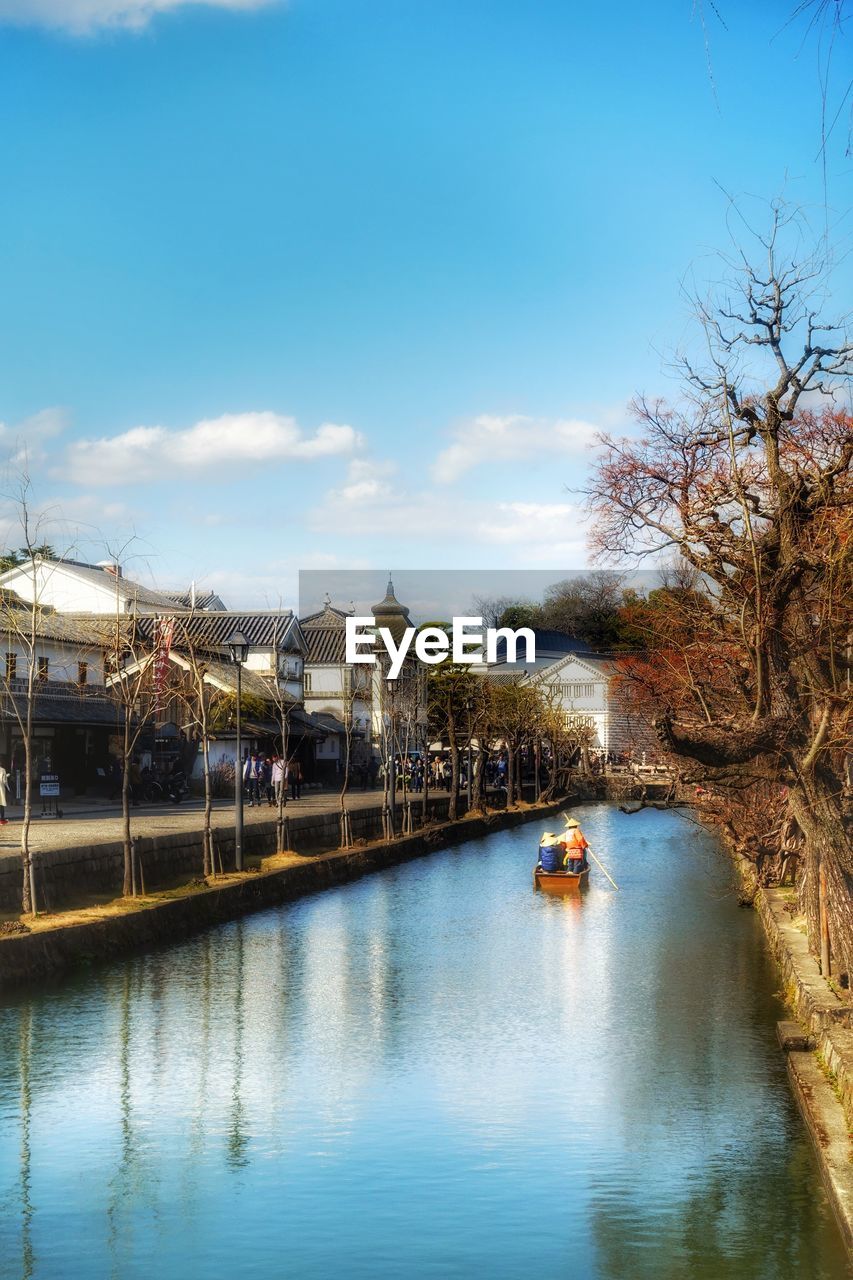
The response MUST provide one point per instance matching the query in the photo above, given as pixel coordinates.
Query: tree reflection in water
(473, 1074)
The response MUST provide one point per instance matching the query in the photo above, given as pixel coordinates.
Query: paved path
(81, 825)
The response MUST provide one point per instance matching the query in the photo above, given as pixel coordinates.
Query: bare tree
(202, 701)
(130, 660)
(515, 712)
(275, 681)
(749, 479)
(23, 623)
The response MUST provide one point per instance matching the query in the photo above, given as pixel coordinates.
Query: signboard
(48, 785)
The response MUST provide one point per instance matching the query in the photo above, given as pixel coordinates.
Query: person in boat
(576, 845)
(551, 852)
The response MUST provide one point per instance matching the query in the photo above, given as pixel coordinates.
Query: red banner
(164, 631)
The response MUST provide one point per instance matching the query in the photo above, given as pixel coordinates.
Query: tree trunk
(29, 902)
(479, 790)
(28, 897)
(345, 836)
(827, 845)
(207, 838)
(586, 767)
(453, 802)
(282, 790)
(127, 885)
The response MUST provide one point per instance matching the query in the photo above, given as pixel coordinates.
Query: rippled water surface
(434, 1072)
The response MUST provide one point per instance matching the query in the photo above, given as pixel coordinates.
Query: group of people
(566, 852)
(268, 777)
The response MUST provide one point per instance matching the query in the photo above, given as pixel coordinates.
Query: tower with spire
(391, 614)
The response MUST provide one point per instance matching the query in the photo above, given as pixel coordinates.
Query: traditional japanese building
(587, 689)
(338, 695)
(73, 715)
(73, 586)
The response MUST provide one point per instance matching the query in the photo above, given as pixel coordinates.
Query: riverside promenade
(89, 821)
(79, 857)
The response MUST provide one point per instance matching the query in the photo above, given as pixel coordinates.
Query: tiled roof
(549, 644)
(326, 720)
(124, 588)
(300, 725)
(328, 616)
(506, 674)
(91, 630)
(263, 628)
(197, 600)
(224, 675)
(325, 635)
(70, 704)
(325, 646)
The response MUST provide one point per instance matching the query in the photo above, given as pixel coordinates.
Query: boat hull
(560, 881)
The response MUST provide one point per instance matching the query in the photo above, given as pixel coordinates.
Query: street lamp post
(238, 648)
(469, 707)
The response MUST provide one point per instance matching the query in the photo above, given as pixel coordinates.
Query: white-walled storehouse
(584, 687)
(72, 586)
(73, 715)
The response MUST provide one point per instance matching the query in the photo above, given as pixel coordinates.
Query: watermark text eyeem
(466, 642)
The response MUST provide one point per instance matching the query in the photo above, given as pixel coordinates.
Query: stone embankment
(818, 1048)
(87, 937)
(74, 870)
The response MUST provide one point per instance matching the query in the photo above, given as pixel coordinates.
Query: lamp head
(238, 647)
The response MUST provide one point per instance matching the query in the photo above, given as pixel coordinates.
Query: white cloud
(522, 533)
(526, 522)
(366, 483)
(157, 453)
(508, 439)
(23, 445)
(83, 17)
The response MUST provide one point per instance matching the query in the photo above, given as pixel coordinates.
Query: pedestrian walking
(251, 777)
(4, 799)
(277, 777)
(266, 780)
(295, 775)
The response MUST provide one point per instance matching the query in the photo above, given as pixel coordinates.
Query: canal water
(434, 1072)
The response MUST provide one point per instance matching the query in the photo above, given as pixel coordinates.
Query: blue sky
(353, 282)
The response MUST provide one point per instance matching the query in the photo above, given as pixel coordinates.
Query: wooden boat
(560, 881)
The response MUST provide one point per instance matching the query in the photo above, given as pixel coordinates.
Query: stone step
(793, 1038)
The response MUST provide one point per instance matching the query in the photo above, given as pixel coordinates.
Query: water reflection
(27, 1254)
(461, 1074)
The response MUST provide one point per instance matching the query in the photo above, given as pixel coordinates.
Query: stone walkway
(81, 825)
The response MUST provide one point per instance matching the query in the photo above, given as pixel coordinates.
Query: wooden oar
(567, 819)
(604, 869)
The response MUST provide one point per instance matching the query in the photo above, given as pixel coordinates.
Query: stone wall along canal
(434, 1072)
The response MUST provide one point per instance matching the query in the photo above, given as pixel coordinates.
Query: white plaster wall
(595, 705)
(62, 658)
(58, 588)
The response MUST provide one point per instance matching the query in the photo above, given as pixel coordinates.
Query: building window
(82, 673)
(11, 666)
(576, 690)
(579, 722)
(306, 682)
(43, 666)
